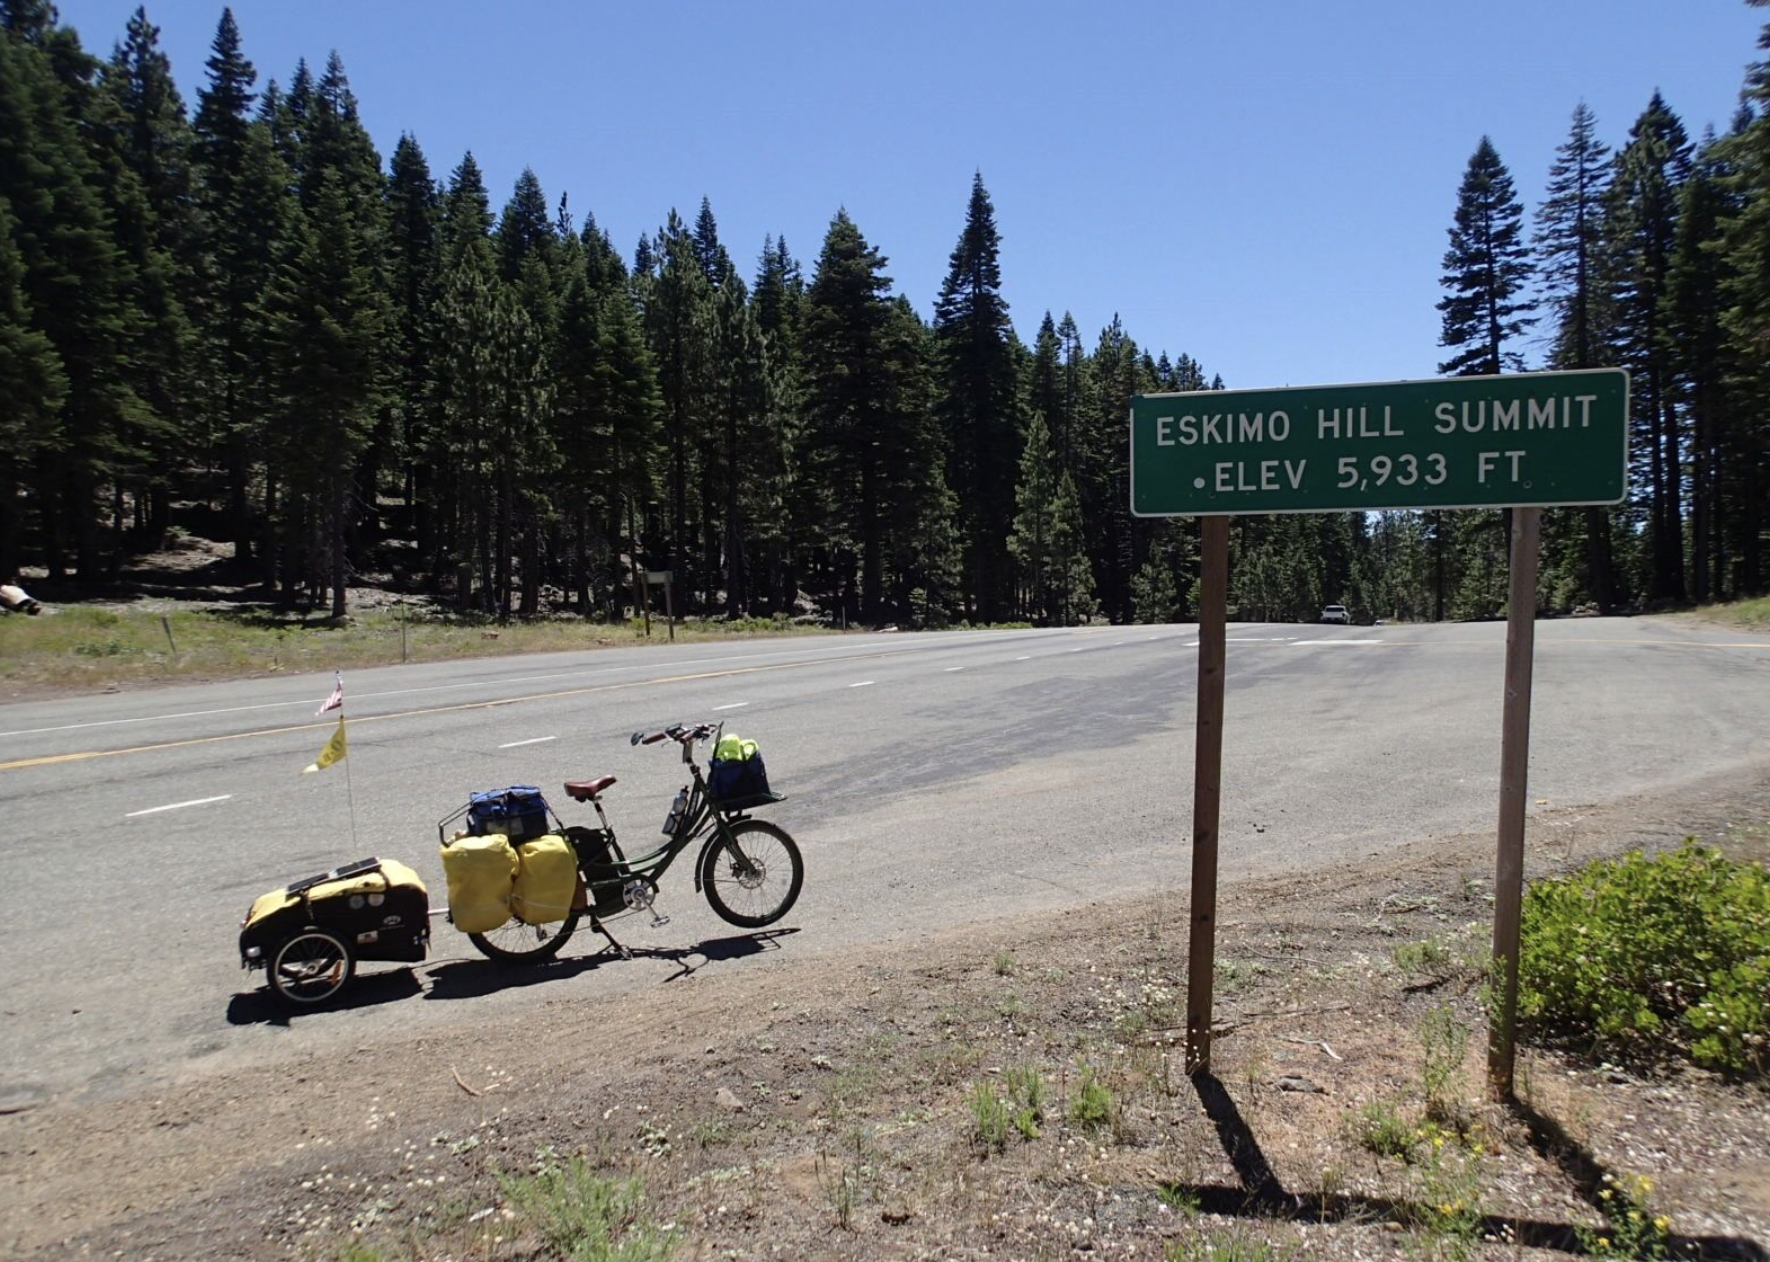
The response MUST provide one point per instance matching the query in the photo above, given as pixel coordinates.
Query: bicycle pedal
(658, 922)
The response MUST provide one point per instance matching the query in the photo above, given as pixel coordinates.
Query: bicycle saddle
(587, 790)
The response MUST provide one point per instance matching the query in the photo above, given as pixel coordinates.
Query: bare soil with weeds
(1012, 1090)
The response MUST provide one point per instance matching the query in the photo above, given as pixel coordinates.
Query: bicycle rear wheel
(513, 942)
(760, 882)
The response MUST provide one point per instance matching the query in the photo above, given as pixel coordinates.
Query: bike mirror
(637, 737)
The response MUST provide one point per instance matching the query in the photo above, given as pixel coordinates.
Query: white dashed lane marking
(178, 806)
(865, 683)
(735, 705)
(533, 740)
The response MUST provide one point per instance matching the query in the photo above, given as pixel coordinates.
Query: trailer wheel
(309, 969)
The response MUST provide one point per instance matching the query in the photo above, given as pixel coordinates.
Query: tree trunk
(1699, 501)
(531, 566)
(734, 542)
(1598, 558)
(506, 494)
(337, 527)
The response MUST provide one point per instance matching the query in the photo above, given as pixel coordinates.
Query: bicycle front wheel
(513, 942)
(753, 879)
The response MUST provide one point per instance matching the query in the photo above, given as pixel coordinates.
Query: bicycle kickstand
(601, 928)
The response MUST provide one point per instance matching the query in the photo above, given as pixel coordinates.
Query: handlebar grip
(651, 739)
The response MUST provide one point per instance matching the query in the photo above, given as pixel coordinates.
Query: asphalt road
(934, 780)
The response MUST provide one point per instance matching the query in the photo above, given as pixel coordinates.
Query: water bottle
(676, 808)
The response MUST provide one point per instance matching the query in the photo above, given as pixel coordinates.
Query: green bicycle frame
(702, 817)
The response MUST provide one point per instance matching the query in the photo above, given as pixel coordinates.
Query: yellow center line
(82, 756)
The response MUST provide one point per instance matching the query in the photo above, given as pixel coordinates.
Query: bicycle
(749, 869)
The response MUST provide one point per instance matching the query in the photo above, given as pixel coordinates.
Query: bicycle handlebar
(676, 731)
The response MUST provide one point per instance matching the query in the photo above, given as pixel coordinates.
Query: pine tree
(1570, 247)
(31, 381)
(1745, 243)
(322, 326)
(164, 240)
(1642, 229)
(679, 316)
(1697, 351)
(1570, 239)
(977, 400)
(525, 229)
(77, 282)
(1045, 384)
(233, 168)
(1485, 271)
(869, 445)
(413, 267)
(1047, 539)
(771, 505)
(715, 262)
(466, 212)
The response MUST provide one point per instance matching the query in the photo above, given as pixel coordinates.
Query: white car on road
(1336, 613)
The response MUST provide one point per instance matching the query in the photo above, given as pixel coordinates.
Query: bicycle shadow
(256, 1007)
(472, 979)
(1262, 1196)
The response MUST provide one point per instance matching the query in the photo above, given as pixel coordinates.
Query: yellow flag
(334, 751)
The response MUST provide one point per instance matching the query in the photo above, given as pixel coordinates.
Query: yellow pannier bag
(546, 882)
(482, 876)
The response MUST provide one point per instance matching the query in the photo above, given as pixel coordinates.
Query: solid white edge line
(1024, 659)
(865, 683)
(155, 810)
(532, 741)
(735, 705)
(1302, 642)
(950, 669)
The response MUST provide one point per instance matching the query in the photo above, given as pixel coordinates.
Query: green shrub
(1648, 955)
(1423, 958)
(1026, 1095)
(990, 1114)
(1379, 1129)
(1092, 1107)
(584, 1216)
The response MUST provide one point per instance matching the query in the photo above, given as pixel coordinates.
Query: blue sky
(1263, 186)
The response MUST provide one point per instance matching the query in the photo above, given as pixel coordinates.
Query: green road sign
(1451, 442)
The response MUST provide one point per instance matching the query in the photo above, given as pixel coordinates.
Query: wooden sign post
(1207, 780)
(1508, 883)
(667, 578)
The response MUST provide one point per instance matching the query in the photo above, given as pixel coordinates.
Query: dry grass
(1754, 615)
(84, 648)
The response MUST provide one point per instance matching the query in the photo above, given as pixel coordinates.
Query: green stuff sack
(546, 880)
(482, 878)
(734, 749)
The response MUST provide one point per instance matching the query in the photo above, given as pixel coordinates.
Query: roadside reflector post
(1508, 886)
(1207, 782)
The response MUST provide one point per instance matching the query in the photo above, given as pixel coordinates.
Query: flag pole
(349, 791)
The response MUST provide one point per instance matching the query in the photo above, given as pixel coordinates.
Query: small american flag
(336, 700)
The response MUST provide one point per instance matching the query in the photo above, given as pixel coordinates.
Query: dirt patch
(830, 1106)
